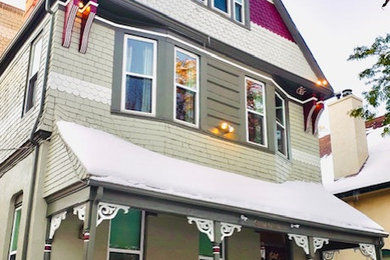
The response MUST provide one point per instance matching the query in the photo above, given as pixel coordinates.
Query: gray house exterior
(229, 85)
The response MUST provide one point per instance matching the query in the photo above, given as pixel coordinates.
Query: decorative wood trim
(368, 250)
(301, 241)
(88, 15)
(204, 225)
(55, 223)
(319, 243)
(319, 108)
(308, 109)
(70, 16)
(228, 229)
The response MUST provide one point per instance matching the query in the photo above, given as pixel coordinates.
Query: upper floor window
(238, 7)
(15, 233)
(281, 135)
(35, 60)
(127, 235)
(186, 87)
(225, 6)
(255, 109)
(139, 75)
(222, 5)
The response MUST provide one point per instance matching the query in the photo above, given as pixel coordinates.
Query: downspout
(33, 142)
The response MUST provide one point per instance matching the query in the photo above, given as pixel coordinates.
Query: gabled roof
(106, 158)
(374, 173)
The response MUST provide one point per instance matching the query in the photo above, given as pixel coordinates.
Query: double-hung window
(206, 248)
(255, 110)
(139, 76)
(280, 110)
(186, 87)
(35, 61)
(127, 236)
(15, 233)
(222, 6)
(239, 11)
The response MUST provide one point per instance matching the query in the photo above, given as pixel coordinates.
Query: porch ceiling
(124, 168)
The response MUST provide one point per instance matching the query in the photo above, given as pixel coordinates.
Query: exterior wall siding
(15, 128)
(258, 41)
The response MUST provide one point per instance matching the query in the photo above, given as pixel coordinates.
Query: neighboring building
(11, 19)
(359, 159)
(166, 130)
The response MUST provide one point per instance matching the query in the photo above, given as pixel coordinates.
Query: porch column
(89, 229)
(217, 241)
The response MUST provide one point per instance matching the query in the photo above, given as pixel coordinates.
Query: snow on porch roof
(108, 158)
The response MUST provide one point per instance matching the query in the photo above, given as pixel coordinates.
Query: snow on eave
(108, 158)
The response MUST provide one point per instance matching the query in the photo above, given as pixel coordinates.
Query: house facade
(228, 85)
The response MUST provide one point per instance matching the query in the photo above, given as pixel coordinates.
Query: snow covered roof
(108, 158)
(375, 170)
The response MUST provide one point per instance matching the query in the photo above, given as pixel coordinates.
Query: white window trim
(283, 126)
(30, 75)
(254, 112)
(11, 253)
(196, 91)
(153, 78)
(229, 3)
(242, 11)
(205, 2)
(127, 251)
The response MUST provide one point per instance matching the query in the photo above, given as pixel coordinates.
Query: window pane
(238, 12)
(186, 67)
(221, 5)
(15, 230)
(123, 256)
(138, 94)
(185, 105)
(12, 257)
(205, 246)
(280, 136)
(255, 128)
(254, 97)
(139, 57)
(126, 231)
(36, 57)
(279, 105)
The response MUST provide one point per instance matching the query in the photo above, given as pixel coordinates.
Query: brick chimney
(348, 134)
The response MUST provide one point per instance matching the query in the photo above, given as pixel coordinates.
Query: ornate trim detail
(204, 225)
(368, 250)
(319, 243)
(228, 229)
(301, 241)
(80, 211)
(329, 255)
(55, 223)
(108, 211)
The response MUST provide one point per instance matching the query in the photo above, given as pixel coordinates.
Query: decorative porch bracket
(55, 223)
(205, 226)
(368, 250)
(88, 15)
(228, 229)
(308, 109)
(319, 243)
(329, 255)
(104, 211)
(301, 241)
(319, 108)
(70, 16)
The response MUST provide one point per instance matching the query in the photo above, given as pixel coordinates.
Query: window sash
(195, 90)
(126, 73)
(15, 232)
(248, 110)
(241, 3)
(33, 70)
(139, 252)
(281, 124)
(228, 3)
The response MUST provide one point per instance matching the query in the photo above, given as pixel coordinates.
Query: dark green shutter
(126, 230)
(205, 246)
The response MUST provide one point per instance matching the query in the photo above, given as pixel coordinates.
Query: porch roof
(110, 159)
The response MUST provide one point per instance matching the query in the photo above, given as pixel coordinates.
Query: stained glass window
(255, 111)
(281, 136)
(186, 86)
(126, 235)
(139, 78)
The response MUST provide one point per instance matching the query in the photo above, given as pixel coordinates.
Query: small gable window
(238, 10)
(222, 5)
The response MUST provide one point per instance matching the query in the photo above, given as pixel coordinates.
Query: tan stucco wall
(68, 245)
(244, 245)
(170, 237)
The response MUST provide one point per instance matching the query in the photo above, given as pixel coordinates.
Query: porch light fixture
(226, 128)
(322, 83)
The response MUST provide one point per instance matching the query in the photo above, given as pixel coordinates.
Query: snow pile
(108, 158)
(374, 171)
